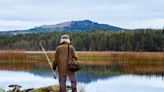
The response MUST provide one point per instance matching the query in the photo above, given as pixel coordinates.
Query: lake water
(91, 82)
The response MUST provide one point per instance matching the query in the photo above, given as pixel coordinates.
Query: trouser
(62, 82)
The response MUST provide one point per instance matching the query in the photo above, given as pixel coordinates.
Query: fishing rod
(48, 59)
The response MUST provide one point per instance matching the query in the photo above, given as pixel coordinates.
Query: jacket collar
(63, 43)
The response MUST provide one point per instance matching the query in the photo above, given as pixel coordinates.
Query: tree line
(96, 40)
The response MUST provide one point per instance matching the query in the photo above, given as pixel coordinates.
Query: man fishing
(61, 62)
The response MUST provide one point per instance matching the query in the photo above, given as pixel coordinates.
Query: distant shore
(140, 62)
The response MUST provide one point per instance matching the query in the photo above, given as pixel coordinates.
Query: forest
(95, 40)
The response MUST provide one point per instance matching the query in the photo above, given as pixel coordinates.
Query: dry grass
(87, 56)
(132, 62)
(123, 57)
(20, 60)
(138, 56)
(12, 55)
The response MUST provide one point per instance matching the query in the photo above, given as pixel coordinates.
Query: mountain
(84, 25)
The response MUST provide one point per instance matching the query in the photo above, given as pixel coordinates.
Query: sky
(131, 14)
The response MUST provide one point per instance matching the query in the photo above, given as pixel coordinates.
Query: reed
(108, 62)
(121, 57)
(12, 55)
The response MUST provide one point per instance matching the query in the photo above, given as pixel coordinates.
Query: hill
(84, 25)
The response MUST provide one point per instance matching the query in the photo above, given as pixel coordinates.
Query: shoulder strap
(68, 51)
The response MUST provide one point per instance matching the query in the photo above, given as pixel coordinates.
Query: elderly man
(61, 62)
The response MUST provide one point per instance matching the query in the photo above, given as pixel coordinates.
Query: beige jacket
(61, 58)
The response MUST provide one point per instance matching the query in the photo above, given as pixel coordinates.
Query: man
(61, 62)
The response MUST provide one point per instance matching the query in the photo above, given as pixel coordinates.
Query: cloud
(32, 13)
(16, 25)
(153, 23)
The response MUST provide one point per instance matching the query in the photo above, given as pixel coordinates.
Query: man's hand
(54, 68)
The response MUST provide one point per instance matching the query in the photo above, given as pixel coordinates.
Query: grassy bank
(96, 63)
(122, 56)
(24, 56)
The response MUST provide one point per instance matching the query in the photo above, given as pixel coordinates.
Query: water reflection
(127, 83)
(95, 78)
(117, 83)
(26, 79)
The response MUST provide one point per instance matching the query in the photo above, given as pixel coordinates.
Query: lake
(100, 76)
(89, 82)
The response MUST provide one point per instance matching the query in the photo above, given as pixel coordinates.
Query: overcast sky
(25, 14)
